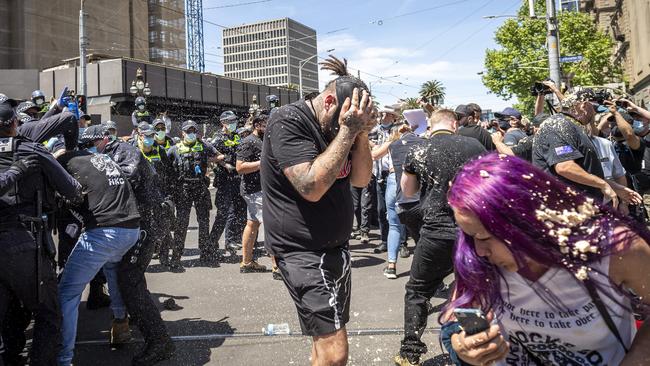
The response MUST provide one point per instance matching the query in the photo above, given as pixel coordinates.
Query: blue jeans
(396, 232)
(96, 248)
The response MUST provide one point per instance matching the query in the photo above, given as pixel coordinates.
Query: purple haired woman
(557, 272)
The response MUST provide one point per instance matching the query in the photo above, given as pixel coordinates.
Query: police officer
(161, 137)
(38, 98)
(190, 158)
(274, 103)
(28, 108)
(231, 208)
(26, 253)
(140, 114)
(133, 286)
(111, 128)
(156, 155)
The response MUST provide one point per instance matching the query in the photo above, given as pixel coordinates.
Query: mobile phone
(471, 320)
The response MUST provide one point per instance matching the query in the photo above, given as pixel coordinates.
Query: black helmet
(38, 97)
(272, 98)
(140, 101)
(227, 117)
(24, 106)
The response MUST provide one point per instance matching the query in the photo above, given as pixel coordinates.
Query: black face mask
(344, 88)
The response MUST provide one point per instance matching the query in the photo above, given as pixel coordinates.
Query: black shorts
(319, 284)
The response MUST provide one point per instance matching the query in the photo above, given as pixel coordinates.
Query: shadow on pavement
(359, 261)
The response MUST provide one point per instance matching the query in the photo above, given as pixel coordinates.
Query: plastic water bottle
(276, 329)
(197, 169)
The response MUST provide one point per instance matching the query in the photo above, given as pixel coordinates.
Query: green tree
(410, 103)
(523, 59)
(433, 91)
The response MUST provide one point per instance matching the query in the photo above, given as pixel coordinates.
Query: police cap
(24, 106)
(157, 122)
(7, 114)
(189, 124)
(109, 125)
(146, 129)
(92, 133)
(228, 116)
(5, 99)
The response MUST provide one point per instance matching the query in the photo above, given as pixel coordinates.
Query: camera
(594, 96)
(540, 89)
(621, 103)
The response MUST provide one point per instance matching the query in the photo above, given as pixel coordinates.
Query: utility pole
(83, 44)
(553, 43)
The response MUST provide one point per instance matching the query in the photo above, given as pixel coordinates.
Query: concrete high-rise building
(39, 34)
(167, 32)
(270, 53)
(628, 23)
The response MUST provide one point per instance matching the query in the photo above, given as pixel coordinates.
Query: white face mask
(141, 107)
(160, 135)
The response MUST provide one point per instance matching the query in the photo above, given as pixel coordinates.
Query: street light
(138, 85)
(301, 64)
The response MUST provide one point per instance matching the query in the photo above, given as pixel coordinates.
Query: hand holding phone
(471, 320)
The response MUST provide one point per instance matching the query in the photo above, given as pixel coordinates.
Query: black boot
(154, 352)
(97, 297)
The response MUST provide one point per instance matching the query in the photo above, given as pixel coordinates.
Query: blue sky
(382, 38)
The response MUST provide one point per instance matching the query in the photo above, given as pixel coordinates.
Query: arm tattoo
(301, 177)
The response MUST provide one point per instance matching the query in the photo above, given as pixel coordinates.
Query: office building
(628, 23)
(270, 53)
(167, 32)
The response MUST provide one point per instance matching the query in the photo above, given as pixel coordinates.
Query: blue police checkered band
(563, 150)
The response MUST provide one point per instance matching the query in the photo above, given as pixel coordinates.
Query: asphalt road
(217, 301)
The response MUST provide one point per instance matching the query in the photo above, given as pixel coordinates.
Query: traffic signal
(81, 104)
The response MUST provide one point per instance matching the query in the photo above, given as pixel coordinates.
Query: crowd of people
(541, 220)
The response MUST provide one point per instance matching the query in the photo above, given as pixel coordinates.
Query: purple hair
(526, 208)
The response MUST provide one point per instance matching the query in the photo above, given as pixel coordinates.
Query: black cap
(5, 99)
(189, 124)
(92, 133)
(508, 112)
(463, 111)
(86, 117)
(146, 129)
(7, 114)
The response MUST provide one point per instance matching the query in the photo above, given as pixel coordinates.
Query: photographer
(515, 132)
(540, 90)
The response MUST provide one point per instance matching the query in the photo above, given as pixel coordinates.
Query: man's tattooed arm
(313, 179)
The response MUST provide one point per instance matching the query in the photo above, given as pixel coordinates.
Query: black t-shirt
(559, 140)
(632, 160)
(479, 133)
(437, 162)
(250, 150)
(398, 151)
(291, 223)
(524, 149)
(108, 198)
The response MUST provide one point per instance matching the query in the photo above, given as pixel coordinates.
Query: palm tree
(410, 103)
(433, 92)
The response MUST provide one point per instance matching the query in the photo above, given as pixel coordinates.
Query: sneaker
(355, 235)
(381, 248)
(251, 267)
(390, 273)
(120, 332)
(403, 361)
(276, 274)
(364, 238)
(404, 251)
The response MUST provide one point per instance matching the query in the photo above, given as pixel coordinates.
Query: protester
(469, 118)
(515, 129)
(434, 162)
(111, 226)
(313, 150)
(549, 264)
(248, 166)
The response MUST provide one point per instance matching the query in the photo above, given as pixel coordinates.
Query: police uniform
(191, 165)
(131, 280)
(166, 180)
(23, 263)
(231, 207)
